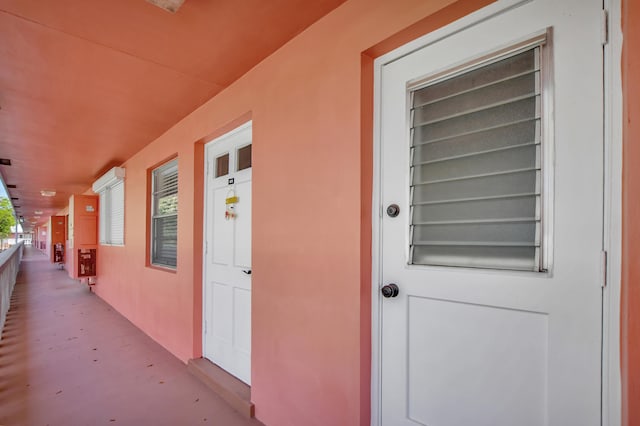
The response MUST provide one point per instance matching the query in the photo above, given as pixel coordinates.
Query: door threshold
(235, 392)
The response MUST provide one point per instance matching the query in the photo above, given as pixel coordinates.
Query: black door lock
(393, 210)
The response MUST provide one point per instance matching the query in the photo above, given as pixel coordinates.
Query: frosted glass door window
(476, 167)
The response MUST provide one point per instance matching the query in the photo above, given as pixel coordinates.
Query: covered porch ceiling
(85, 84)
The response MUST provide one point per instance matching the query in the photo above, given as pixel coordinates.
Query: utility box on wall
(86, 263)
(82, 245)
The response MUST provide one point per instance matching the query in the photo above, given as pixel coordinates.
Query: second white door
(227, 264)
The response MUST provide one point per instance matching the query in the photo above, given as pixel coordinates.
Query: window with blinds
(112, 214)
(476, 167)
(164, 215)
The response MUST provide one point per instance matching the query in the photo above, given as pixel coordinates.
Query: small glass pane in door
(222, 165)
(244, 157)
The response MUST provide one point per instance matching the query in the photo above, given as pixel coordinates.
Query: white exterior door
(227, 265)
(496, 247)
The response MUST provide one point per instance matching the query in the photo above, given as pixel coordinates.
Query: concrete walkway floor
(68, 358)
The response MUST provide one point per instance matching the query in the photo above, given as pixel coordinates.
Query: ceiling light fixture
(36, 217)
(5, 162)
(37, 212)
(168, 5)
(47, 193)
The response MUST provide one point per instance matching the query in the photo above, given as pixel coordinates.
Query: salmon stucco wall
(630, 309)
(311, 253)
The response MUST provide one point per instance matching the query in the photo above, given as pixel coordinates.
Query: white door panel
(222, 251)
(227, 266)
(462, 346)
(463, 392)
(242, 255)
(221, 294)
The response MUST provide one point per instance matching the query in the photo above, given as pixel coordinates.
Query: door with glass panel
(227, 265)
(491, 175)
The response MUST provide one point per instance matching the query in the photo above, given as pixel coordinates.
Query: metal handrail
(9, 266)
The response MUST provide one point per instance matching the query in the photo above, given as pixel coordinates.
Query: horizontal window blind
(116, 223)
(111, 228)
(164, 220)
(165, 240)
(476, 167)
(103, 218)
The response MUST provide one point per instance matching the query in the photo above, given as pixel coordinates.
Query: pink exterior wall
(310, 106)
(630, 309)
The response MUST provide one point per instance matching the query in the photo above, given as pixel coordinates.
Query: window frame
(544, 41)
(152, 174)
(106, 215)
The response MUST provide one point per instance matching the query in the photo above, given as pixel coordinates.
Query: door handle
(390, 290)
(247, 271)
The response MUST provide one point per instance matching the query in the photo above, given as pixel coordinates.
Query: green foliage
(7, 219)
(168, 204)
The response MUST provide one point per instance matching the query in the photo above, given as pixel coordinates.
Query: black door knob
(390, 290)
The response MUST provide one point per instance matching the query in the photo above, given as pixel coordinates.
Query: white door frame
(611, 380)
(208, 146)
(613, 121)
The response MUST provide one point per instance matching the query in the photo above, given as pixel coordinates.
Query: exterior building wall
(630, 309)
(310, 103)
(311, 190)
